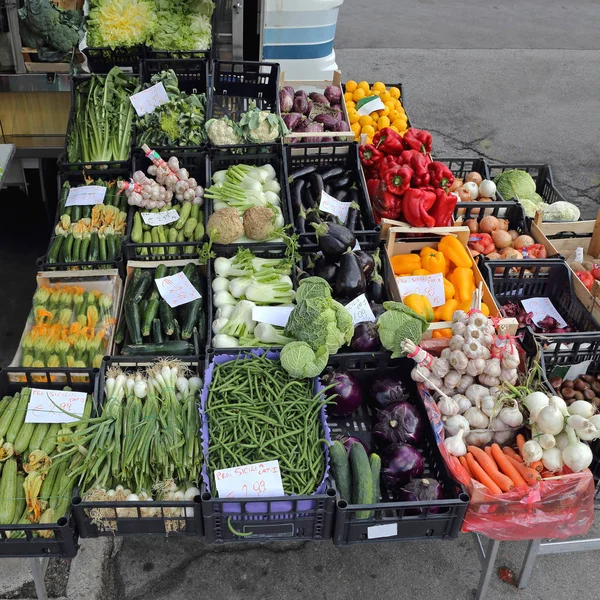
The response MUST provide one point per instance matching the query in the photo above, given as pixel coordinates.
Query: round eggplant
(325, 269)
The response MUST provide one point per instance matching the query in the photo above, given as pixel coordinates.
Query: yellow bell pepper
(442, 333)
(405, 264)
(455, 252)
(466, 306)
(420, 304)
(422, 272)
(433, 260)
(449, 290)
(485, 309)
(446, 311)
(464, 283)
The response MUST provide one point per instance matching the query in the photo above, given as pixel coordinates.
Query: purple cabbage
(286, 101)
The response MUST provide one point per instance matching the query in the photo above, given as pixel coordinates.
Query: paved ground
(514, 81)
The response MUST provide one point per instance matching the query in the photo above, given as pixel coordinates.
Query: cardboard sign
(321, 109)
(360, 310)
(250, 481)
(334, 207)
(48, 406)
(274, 315)
(160, 218)
(542, 307)
(177, 289)
(366, 106)
(86, 195)
(147, 100)
(431, 286)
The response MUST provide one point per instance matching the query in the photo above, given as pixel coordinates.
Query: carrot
(463, 462)
(481, 476)
(507, 467)
(489, 466)
(531, 476)
(520, 443)
(537, 465)
(510, 452)
(488, 451)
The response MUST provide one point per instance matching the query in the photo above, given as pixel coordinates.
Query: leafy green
(515, 183)
(398, 323)
(561, 211)
(183, 25)
(300, 361)
(313, 287)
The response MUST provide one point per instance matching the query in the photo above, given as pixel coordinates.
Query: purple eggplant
(310, 127)
(399, 422)
(333, 93)
(346, 393)
(290, 90)
(365, 338)
(299, 93)
(329, 121)
(387, 390)
(401, 462)
(342, 126)
(300, 105)
(318, 98)
(422, 490)
(286, 101)
(292, 120)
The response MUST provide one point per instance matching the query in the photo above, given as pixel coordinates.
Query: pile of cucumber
(150, 327)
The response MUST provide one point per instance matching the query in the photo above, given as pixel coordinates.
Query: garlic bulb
(464, 403)
(455, 444)
(466, 381)
(458, 328)
(419, 374)
(478, 320)
(456, 343)
(480, 438)
(472, 349)
(460, 316)
(477, 419)
(452, 378)
(511, 415)
(455, 423)
(475, 367)
(448, 406)
(493, 368)
(488, 405)
(440, 367)
(459, 361)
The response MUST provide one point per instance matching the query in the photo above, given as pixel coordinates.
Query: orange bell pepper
(442, 333)
(455, 252)
(405, 264)
(449, 290)
(421, 272)
(463, 281)
(433, 260)
(445, 311)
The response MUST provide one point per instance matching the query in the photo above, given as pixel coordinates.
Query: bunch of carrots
(503, 469)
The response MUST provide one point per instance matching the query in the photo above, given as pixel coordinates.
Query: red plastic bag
(560, 507)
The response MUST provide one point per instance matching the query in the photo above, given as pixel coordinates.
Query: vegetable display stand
(303, 159)
(394, 519)
(56, 539)
(95, 518)
(281, 518)
(102, 60)
(196, 164)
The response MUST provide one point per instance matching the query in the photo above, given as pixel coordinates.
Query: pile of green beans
(256, 412)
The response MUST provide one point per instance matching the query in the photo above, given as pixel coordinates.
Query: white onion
(487, 189)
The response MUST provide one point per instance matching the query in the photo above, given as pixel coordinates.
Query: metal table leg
(487, 560)
(528, 563)
(38, 570)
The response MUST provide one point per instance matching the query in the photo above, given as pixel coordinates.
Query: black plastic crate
(394, 519)
(334, 154)
(512, 211)
(190, 523)
(462, 166)
(63, 539)
(103, 59)
(196, 164)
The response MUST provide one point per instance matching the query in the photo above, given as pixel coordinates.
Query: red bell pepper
(586, 278)
(385, 204)
(416, 205)
(440, 176)
(443, 208)
(418, 139)
(418, 163)
(398, 179)
(372, 185)
(482, 243)
(389, 162)
(370, 156)
(389, 142)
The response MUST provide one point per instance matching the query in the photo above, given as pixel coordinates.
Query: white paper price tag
(86, 195)
(577, 370)
(274, 315)
(250, 481)
(147, 100)
(360, 310)
(177, 289)
(160, 218)
(579, 254)
(431, 286)
(382, 531)
(330, 205)
(366, 106)
(48, 406)
(542, 307)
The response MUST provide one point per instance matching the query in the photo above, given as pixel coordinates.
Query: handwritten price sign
(334, 207)
(86, 195)
(250, 481)
(147, 100)
(431, 286)
(360, 310)
(542, 307)
(177, 290)
(274, 315)
(48, 406)
(160, 218)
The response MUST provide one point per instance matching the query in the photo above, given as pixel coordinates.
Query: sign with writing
(382, 531)
(274, 315)
(177, 289)
(160, 218)
(335, 207)
(250, 481)
(86, 195)
(321, 109)
(542, 307)
(431, 286)
(366, 106)
(51, 406)
(147, 100)
(360, 310)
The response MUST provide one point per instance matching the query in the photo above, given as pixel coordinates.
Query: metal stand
(487, 560)
(38, 570)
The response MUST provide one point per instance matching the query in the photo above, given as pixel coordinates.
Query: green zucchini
(155, 240)
(340, 467)
(149, 315)
(137, 273)
(8, 492)
(54, 251)
(168, 348)
(76, 249)
(49, 443)
(172, 239)
(19, 418)
(140, 287)
(101, 247)
(64, 194)
(111, 248)
(362, 480)
(186, 209)
(190, 310)
(68, 248)
(8, 414)
(83, 250)
(55, 494)
(134, 325)
(75, 213)
(375, 463)
(121, 329)
(157, 337)
(167, 318)
(94, 250)
(24, 437)
(201, 328)
(86, 211)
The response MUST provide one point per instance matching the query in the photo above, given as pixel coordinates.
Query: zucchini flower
(97, 360)
(27, 342)
(55, 299)
(62, 347)
(80, 364)
(77, 302)
(64, 316)
(47, 518)
(40, 348)
(80, 347)
(41, 295)
(70, 361)
(63, 226)
(37, 460)
(41, 316)
(82, 320)
(27, 360)
(37, 364)
(6, 451)
(90, 298)
(66, 298)
(96, 215)
(32, 486)
(120, 222)
(53, 361)
(92, 317)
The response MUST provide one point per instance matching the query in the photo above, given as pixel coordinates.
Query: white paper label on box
(177, 289)
(86, 195)
(51, 406)
(579, 254)
(542, 307)
(577, 370)
(250, 481)
(381, 531)
(330, 205)
(366, 106)
(147, 100)
(360, 310)
(431, 286)
(274, 315)
(160, 218)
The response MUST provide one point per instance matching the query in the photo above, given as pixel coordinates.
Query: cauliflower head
(223, 132)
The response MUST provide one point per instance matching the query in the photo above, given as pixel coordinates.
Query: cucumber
(340, 467)
(140, 287)
(166, 317)
(168, 348)
(375, 463)
(134, 325)
(157, 337)
(362, 480)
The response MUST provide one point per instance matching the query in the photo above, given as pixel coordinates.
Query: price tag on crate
(382, 531)
(160, 218)
(274, 315)
(431, 286)
(50, 406)
(542, 307)
(86, 195)
(333, 206)
(360, 310)
(177, 289)
(366, 106)
(250, 481)
(147, 100)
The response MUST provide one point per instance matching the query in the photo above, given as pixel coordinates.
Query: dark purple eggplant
(316, 187)
(399, 422)
(332, 173)
(300, 105)
(307, 198)
(384, 391)
(292, 120)
(422, 490)
(286, 101)
(350, 280)
(377, 309)
(365, 338)
(296, 194)
(300, 221)
(401, 462)
(346, 393)
(347, 441)
(367, 264)
(333, 93)
(376, 288)
(342, 182)
(289, 89)
(326, 269)
(318, 98)
(334, 239)
(353, 214)
(301, 172)
(328, 121)
(313, 216)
